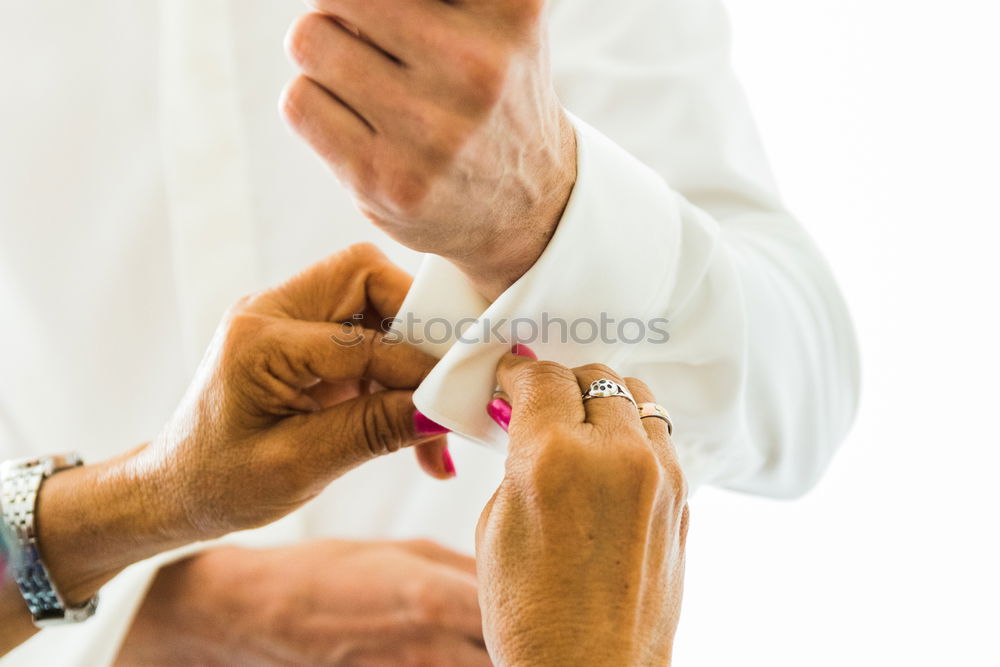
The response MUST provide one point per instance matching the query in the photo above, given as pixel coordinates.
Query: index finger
(357, 280)
(300, 353)
(542, 394)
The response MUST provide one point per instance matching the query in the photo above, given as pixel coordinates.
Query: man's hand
(378, 604)
(442, 119)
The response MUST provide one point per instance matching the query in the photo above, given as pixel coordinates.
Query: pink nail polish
(523, 351)
(424, 426)
(449, 464)
(499, 411)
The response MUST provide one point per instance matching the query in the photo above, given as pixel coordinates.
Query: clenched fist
(442, 120)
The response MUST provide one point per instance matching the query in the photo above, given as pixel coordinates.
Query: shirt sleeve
(675, 261)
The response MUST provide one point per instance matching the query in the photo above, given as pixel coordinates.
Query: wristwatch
(19, 485)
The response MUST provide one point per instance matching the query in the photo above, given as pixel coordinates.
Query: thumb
(358, 430)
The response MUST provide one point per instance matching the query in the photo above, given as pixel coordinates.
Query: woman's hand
(281, 404)
(280, 407)
(581, 550)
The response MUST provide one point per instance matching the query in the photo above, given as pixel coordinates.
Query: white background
(881, 118)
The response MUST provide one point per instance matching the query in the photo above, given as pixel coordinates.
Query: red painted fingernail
(499, 411)
(449, 464)
(523, 351)
(424, 426)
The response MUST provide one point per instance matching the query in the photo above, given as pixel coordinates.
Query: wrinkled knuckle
(243, 331)
(241, 354)
(533, 382)
(366, 338)
(382, 434)
(543, 373)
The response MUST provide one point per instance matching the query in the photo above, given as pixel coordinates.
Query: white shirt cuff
(612, 260)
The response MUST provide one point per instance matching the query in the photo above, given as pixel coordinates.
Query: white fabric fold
(609, 261)
(758, 366)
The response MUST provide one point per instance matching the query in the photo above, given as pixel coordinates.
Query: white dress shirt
(147, 181)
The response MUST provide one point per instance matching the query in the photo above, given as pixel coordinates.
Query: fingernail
(523, 351)
(424, 426)
(449, 464)
(499, 411)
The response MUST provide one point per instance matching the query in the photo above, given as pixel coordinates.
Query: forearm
(96, 520)
(92, 522)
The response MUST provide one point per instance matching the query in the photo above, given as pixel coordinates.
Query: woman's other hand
(286, 399)
(294, 391)
(581, 550)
